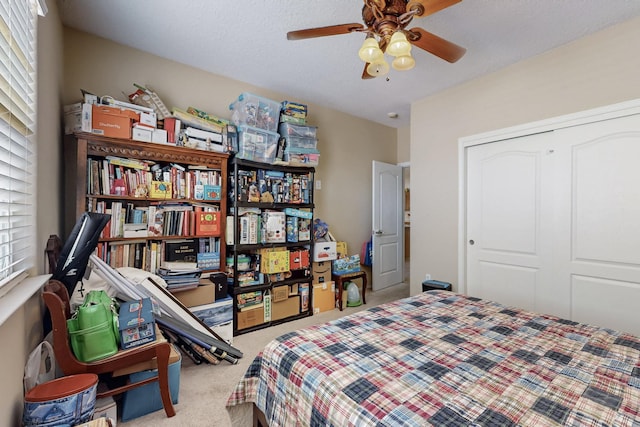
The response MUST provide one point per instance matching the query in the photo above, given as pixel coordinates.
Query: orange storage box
(112, 121)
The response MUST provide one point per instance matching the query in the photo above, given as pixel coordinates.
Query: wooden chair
(56, 298)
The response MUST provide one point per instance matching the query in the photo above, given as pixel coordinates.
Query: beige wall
(23, 330)
(595, 71)
(347, 144)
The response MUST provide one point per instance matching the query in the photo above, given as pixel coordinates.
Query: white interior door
(388, 226)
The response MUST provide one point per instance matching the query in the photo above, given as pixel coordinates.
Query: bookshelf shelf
(270, 219)
(105, 173)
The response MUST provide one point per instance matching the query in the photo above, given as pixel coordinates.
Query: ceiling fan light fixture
(403, 63)
(379, 68)
(398, 45)
(370, 51)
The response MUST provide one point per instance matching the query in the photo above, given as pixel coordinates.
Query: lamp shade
(370, 51)
(398, 45)
(379, 68)
(403, 63)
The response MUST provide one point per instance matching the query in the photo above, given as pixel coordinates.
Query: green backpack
(93, 328)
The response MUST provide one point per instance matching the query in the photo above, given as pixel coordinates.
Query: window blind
(18, 19)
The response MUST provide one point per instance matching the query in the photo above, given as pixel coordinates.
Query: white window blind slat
(18, 20)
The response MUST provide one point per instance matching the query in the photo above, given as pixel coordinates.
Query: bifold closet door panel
(600, 252)
(509, 209)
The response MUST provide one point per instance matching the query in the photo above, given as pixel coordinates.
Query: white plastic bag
(40, 367)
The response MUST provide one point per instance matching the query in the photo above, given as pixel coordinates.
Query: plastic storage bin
(255, 111)
(300, 131)
(146, 399)
(302, 157)
(301, 143)
(257, 144)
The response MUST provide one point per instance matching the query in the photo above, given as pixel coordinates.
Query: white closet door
(599, 254)
(555, 222)
(509, 257)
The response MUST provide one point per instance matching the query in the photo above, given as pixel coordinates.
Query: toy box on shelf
(346, 265)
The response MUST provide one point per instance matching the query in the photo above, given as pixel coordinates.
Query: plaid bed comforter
(444, 359)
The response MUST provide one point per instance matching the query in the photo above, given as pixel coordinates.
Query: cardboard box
(286, 308)
(280, 293)
(299, 259)
(324, 251)
(321, 271)
(249, 318)
(146, 399)
(324, 297)
(112, 122)
(215, 313)
(136, 323)
(203, 294)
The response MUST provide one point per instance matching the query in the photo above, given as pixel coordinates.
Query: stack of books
(178, 280)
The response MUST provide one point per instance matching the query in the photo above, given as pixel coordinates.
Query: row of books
(152, 255)
(117, 176)
(271, 186)
(157, 220)
(257, 226)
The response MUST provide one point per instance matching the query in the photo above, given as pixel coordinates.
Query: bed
(444, 359)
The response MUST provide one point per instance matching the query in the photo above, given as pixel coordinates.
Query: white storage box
(324, 251)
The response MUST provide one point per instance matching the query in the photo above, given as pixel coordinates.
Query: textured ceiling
(246, 40)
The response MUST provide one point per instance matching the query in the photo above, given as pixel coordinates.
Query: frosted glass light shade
(398, 45)
(403, 63)
(370, 51)
(378, 68)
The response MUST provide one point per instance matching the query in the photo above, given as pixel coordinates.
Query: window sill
(15, 298)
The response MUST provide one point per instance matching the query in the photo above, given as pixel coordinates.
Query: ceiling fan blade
(331, 30)
(438, 46)
(429, 7)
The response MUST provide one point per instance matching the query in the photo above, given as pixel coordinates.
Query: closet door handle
(471, 242)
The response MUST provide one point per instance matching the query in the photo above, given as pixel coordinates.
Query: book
(160, 190)
(129, 163)
(181, 250)
(175, 268)
(135, 230)
(207, 223)
(208, 260)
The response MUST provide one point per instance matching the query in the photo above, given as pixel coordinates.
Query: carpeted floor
(204, 389)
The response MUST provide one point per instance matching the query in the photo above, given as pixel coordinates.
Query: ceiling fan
(385, 23)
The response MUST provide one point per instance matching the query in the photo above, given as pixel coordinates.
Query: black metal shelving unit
(235, 203)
